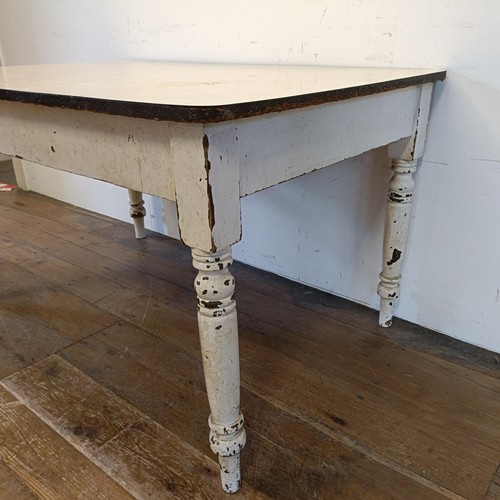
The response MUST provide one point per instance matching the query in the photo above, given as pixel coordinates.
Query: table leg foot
(218, 328)
(397, 221)
(388, 289)
(228, 447)
(230, 473)
(137, 212)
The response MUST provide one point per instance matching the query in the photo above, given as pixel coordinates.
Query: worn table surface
(197, 92)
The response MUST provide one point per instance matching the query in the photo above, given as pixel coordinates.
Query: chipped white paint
(291, 144)
(405, 152)
(397, 222)
(207, 167)
(206, 189)
(412, 147)
(218, 327)
(129, 153)
(137, 212)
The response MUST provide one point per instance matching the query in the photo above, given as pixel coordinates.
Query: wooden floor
(102, 393)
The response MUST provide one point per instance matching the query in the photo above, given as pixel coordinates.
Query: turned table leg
(137, 212)
(397, 220)
(218, 327)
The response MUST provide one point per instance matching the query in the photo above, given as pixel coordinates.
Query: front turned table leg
(218, 327)
(397, 220)
(137, 212)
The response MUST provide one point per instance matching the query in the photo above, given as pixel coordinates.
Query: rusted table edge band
(211, 114)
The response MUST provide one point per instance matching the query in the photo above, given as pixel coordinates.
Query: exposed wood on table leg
(218, 327)
(397, 221)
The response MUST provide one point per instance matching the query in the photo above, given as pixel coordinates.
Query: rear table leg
(137, 212)
(397, 221)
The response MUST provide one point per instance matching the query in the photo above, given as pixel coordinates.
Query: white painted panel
(326, 226)
(291, 144)
(92, 195)
(104, 147)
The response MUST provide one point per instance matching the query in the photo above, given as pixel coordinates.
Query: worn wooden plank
(84, 258)
(83, 247)
(325, 340)
(429, 416)
(286, 457)
(447, 411)
(93, 250)
(24, 295)
(41, 207)
(37, 318)
(43, 462)
(493, 492)
(12, 486)
(144, 457)
(339, 310)
(73, 278)
(163, 319)
(57, 219)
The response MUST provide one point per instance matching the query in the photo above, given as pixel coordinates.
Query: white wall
(325, 229)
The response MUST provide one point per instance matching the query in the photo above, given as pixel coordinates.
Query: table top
(197, 92)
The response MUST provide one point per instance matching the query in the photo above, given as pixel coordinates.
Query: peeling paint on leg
(217, 323)
(396, 255)
(395, 236)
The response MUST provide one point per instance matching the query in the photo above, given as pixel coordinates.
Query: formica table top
(197, 92)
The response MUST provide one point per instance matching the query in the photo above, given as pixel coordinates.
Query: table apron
(273, 148)
(130, 152)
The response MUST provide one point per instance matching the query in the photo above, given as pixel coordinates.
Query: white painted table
(205, 135)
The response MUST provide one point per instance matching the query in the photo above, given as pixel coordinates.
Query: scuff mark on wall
(323, 15)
